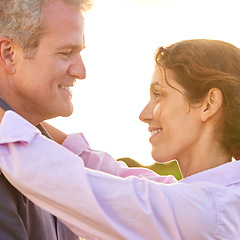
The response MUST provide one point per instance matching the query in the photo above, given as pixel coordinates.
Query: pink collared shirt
(99, 198)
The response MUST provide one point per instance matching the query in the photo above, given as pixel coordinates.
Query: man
(40, 59)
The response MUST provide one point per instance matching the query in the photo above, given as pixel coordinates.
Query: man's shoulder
(19, 216)
(8, 194)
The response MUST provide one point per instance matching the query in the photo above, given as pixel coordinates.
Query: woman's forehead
(158, 75)
(165, 78)
(162, 76)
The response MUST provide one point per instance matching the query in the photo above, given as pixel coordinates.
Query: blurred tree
(170, 168)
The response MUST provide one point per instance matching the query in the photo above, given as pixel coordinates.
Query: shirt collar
(4, 105)
(14, 128)
(226, 174)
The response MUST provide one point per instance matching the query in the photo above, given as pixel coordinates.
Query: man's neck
(4, 106)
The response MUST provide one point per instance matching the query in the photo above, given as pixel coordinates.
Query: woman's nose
(147, 113)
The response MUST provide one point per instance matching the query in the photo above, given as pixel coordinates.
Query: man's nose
(77, 68)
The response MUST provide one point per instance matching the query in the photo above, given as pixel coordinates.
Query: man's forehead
(62, 16)
(62, 6)
(79, 5)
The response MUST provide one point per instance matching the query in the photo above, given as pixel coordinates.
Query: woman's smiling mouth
(155, 131)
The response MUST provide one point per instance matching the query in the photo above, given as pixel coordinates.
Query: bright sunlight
(121, 38)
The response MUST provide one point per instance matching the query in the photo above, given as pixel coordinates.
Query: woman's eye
(156, 95)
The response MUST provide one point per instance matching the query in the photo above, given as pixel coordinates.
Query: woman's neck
(208, 156)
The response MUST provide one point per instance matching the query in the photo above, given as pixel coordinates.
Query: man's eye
(66, 53)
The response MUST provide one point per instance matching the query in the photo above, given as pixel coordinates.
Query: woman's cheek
(157, 111)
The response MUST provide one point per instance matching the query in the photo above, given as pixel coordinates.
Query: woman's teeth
(155, 131)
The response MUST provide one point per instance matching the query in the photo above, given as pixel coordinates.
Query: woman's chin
(160, 158)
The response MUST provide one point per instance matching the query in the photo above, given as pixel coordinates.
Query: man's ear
(7, 52)
(211, 104)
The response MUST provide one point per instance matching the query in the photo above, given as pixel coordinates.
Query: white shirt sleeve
(98, 205)
(102, 161)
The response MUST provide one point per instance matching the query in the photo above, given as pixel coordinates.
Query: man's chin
(66, 110)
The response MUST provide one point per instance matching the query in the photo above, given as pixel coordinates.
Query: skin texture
(183, 131)
(33, 86)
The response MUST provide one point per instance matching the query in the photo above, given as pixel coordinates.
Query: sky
(121, 39)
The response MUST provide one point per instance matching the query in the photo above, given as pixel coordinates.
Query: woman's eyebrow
(156, 84)
(153, 85)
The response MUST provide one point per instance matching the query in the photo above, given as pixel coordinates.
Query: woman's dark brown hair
(202, 64)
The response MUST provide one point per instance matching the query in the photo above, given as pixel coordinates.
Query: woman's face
(175, 126)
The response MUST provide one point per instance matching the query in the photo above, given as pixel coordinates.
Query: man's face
(41, 85)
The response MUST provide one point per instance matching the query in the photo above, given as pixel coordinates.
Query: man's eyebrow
(71, 46)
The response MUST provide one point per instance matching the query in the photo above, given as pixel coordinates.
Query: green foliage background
(170, 168)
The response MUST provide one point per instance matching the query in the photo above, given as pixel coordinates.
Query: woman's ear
(7, 55)
(211, 104)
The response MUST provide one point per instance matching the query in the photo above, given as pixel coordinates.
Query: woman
(194, 109)
(193, 117)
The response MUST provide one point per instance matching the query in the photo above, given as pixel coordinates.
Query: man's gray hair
(21, 21)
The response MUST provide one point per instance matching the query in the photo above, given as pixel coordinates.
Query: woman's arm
(97, 205)
(99, 160)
